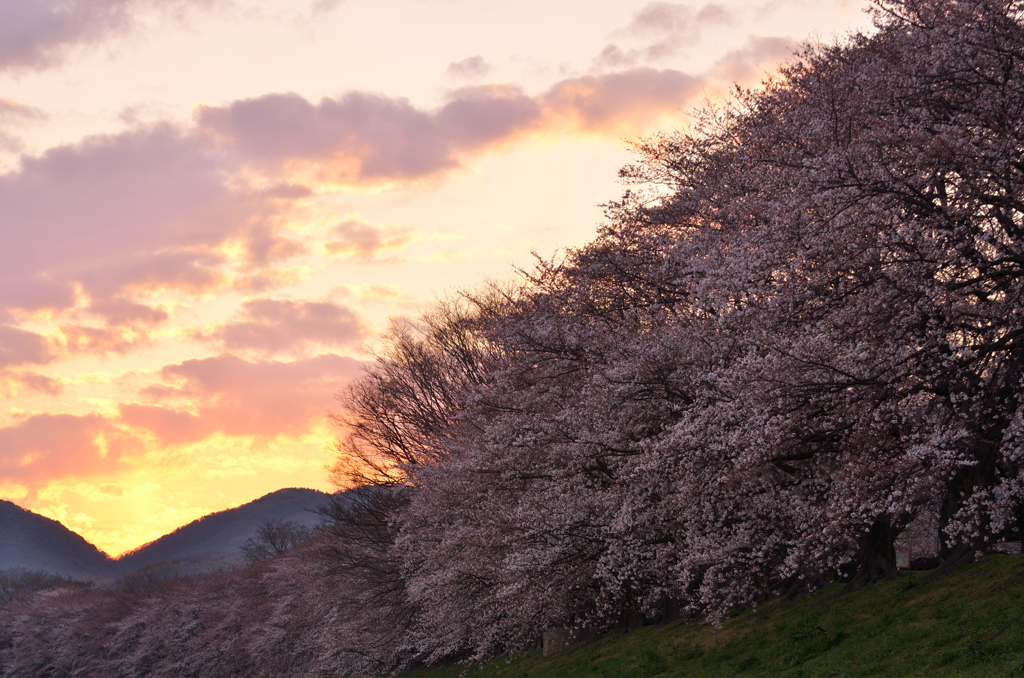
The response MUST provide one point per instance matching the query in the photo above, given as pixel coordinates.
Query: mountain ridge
(224, 532)
(31, 541)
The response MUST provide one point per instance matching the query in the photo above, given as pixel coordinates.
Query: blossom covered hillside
(801, 329)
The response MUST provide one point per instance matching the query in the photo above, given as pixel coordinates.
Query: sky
(210, 209)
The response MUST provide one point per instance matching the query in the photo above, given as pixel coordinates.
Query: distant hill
(217, 538)
(33, 542)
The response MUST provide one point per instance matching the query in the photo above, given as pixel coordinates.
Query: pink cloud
(15, 111)
(387, 138)
(667, 29)
(192, 270)
(14, 114)
(21, 347)
(748, 63)
(241, 398)
(48, 446)
(124, 311)
(363, 137)
(33, 31)
(13, 382)
(113, 186)
(116, 215)
(265, 280)
(34, 291)
(365, 241)
(265, 247)
(150, 209)
(470, 68)
(274, 326)
(171, 427)
(38, 33)
(155, 208)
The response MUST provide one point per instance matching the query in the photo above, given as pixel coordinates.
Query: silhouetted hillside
(34, 542)
(223, 533)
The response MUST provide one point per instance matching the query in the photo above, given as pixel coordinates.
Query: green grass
(967, 623)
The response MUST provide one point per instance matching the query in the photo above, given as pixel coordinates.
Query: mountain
(33, 542)
(217, 537)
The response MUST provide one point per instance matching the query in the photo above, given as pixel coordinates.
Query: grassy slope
(967, 623)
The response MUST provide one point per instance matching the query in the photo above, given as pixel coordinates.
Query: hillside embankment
(967, 623)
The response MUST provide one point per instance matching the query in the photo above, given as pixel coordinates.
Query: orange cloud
(17, 381)
(84, 339)
(368, 293)
(47, 446)
(236, 397)
(171, 427)
(228, 396)
(637, 98)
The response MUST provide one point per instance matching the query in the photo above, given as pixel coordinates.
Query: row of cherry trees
(803, 325)
(274, 618)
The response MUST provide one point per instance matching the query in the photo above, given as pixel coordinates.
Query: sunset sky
(209, 209)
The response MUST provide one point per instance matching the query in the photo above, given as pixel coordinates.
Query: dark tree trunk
(1000, 408)
(963, 486)
(876, 557)
(955, 557)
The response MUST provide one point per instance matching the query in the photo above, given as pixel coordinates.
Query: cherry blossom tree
(866, 208)
(801, 329)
